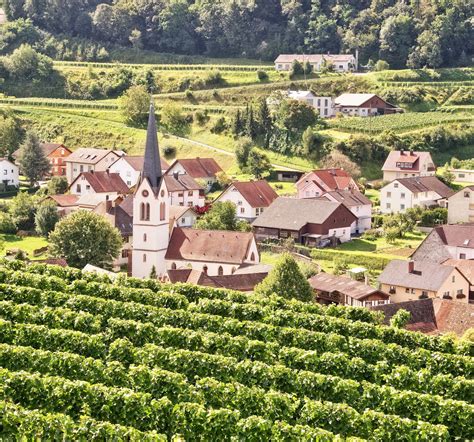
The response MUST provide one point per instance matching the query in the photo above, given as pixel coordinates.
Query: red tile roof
(256, 193)
(199, 167)
(413, 158)
(209, 245)
(421, 184)
(458, 235)
(64, 200)
(329, 179)
(104, 182)
(180, 183)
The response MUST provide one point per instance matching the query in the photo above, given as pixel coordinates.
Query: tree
(33, 161)
(296, 69)
(26, 63)
(136, 39)
(258, 164)
(153, 274)
(222, 216)
(337, 160)
(427, 52)
(22, 209)
(312, 144)
(173, 120)
(265, 122)
(57, 185)
(322, 36)
(447, 175)
(46, 218)
(10, 134)
(295, 117)
(135, 104)
(286, 280)
(396, 39)
(381, 65)
(242, 150)
(400, 319)
(237, 124)
(85, 237)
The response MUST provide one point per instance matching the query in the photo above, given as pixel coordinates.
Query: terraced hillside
(82, 357)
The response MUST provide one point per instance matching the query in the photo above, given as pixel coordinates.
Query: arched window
(144, 237)
(162, 211)
(204, 269)
(173, 266)
(220, 271)
(147, 212)
(142, 211)
(252, 257)
(144, 257)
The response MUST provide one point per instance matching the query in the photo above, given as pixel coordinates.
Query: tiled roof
(414, 158)
(328, 179)
(103, 181)
(177, 212)
(458, 235)
(64, 200)
(353, 99)
(256, 193)
(313, 58)
(89, 155)
(179, 183)
(349, 198)
(219, 246)
(347, 286)
(137, 162)
(199, 167)
(426, 184)
(465, 266)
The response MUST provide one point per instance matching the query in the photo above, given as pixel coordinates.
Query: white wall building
(9, 173)
(461, 206)
(404, 164)
(463, 175)
(130, 167)
(183, 190)
(104, 183)
(339, 62)
(324, 106)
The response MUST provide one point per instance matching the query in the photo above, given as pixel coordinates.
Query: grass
(27, 244)
(373, 195)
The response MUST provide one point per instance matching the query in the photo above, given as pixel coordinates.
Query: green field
(27, 244)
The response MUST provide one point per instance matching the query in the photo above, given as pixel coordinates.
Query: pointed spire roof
(152, 162)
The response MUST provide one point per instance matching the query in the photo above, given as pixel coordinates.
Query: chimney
(108, 205)
(411, 266)
(402, 152)
(175, 175)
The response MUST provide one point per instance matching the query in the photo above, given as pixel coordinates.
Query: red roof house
(317, 182)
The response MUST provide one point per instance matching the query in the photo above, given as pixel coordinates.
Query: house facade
(204, 170)
(56, 153)
(404, 164)
(251, 198)
(461, 206)
(406, 193)
(324, 106)
(363, 105)
(9, 173)
(89, 160)
(183, 190)
(338, 62)
(463, 175)
(412, 280)
(182, 216)
(317, 182)
(104, 183)
(129, 168)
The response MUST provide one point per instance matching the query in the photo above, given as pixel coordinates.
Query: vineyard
(85, 358)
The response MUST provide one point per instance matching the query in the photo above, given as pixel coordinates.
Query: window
(461, 175)
(88, 187)
(239, 203)
(190, 193)
(81, 168)
(145, 212)
(173, 266)
(453, 279)
(242, 210)
(462, 256)
(388, 206)
(5, 171)
(466, 194)
(402, 206)
(78, 188)
(389, 194)
(183, 220)
(252, 256)
(402, 195)
(144, 257)
(319, 102)
(424, 293)
(190, 204)
(220, 271)
(144, 237)
(407, 290)
(124, 253)
(162, 211)
(395, 185)
(459, 292)
(204, 269)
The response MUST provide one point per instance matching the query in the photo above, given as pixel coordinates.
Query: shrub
(169, 151)
(7, 223)
(219, 126)
(262, 75)
(189, 94)
(201, 117)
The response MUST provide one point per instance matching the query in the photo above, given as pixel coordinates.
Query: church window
(233, 270)
(162, 211)
(145, 193)
(204, 269)
(144, 211)
(147, 212)
(144, 237)
(162, 193)
(144, 257)
(252, 257)
(173, 266)
(220, 271)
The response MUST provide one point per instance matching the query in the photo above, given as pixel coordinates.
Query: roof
(253, 268)
(256, 193)
(89, 268)
(199, 167)
(152, 169)
(89, 155)
(179, 211)
(51, 261)
(64, 200)
(329, 179)
(426, 276)
(90, 200)
(49, 148)
(136, 161)
(294, 214)
(349, 198)
(314, 58)
(342, 284)
(221, 246)
(433, 315)
(465, 266)
(181, 182)
(121, 211)
(242, 282)
(401, 156)
(103, 181)
(8, 161)
(298, 95)
(426, 184)
(458, 235)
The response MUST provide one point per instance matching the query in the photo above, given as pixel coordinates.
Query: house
(461, 206)
(411, 280)
(433, 315)
(130, 167)
(324, 106)
(289, 176)
(215, 252)
(358, 204)
(363, 105)
(404, 164)
(466, 267)
(332, 289)
(56, 153)
(10, 174)
(339, 62)
(89, 160)
(463, 175)
(182, 216)
(119, 212)
(317, 182)
(204, 170)
(65, 204)
(313, 222)
(251, 198)
(241, 282)
(406, 193)
(183, 190)
(105, 183)
(444, 242)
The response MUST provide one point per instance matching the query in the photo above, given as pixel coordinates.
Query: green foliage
(258, 164)
(134, 105)
(242, 149)
(25, 64)
(400, 319)
(222, 216)
(46, 218)
(57, 185)
(33, 161)
(10, 133)
(434, 217)
(85, 238)
(22, 209)
(262, 75)
(173, 119)
(338, 160)
(381, 65)
(286, 280)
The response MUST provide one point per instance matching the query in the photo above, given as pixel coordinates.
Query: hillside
(81, 357)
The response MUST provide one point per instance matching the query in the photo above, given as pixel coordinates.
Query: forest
(410, 33)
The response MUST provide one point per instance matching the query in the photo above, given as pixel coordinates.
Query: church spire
(152, 162)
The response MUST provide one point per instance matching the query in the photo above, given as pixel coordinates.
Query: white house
(317, 182)
(461, 206)
(183, 190)
(463, 175)
(404, 164)
(182, 216)
(339, 62)
(358, 204)
(9, 173)
(406, 193)
(89, 160)
(104, 183)
(251, 198)
(204, 170)
(130, 167)
(363, 105)
(323, 105)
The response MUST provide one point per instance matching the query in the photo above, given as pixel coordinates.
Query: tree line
(412, 33)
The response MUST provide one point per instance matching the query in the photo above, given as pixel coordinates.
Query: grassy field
(27, 244)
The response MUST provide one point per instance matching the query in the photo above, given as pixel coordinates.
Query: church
(215, 252)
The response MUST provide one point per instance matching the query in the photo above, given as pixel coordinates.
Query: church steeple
(152, 162)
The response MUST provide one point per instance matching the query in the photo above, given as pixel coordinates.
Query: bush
(169, 151)
(7, 223)
(201, 117)
(219, 126)
(262, 75)
(434, 217)
(189, 95)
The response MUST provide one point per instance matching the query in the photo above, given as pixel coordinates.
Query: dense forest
(413, 33)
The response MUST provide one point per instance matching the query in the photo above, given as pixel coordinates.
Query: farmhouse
(312, 222)
(317, 182)
(406, 193)
(56, 153)
(323, 105)
(104, 183)
(251, 198)
(404, 164)
(130, 167)
(10, 174)
(332, 289)
(445, 242)
(411, 280)
(201, 169)
(339, 62)
(363, 105)
(89, 160)
(463, 175)
(65, 204)
(461, 206)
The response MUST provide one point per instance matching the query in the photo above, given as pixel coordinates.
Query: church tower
(150, 210)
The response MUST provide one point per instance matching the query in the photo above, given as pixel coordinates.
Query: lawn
(27, 244)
